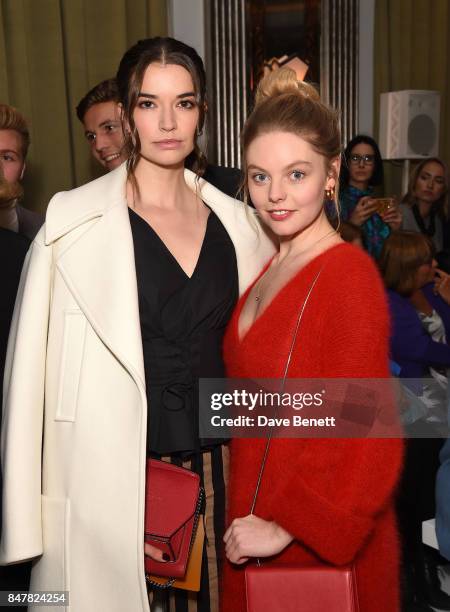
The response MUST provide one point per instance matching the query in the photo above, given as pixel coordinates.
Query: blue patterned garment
(375, 230)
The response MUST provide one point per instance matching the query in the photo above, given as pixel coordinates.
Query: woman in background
(321, 501)
(425, 205)
(419, 297)
(361, 172)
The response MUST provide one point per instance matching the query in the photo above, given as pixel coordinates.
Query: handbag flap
(171, 497)
(292, 588)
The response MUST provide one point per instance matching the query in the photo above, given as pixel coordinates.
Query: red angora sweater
(334, 496)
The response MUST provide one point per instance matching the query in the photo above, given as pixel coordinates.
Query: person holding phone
(361, 172)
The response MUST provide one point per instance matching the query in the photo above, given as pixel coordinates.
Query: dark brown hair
(12, 119)
(129, 79)
(106, 91)
(287, 105)
(440, 205)
(402, 255)
(377, 177)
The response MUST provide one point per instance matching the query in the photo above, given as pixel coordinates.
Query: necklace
(258, 285)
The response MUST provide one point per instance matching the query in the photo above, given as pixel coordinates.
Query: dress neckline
(242, 338)
(169, 252)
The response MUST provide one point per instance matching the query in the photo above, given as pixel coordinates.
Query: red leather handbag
(174, 499)
(293, 588)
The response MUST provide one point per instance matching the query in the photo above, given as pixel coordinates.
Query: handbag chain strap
(198, 509)
(283, 382)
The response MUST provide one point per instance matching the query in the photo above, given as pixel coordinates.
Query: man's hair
(106, 91)
(12, 119)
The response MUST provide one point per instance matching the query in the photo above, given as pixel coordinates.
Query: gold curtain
(51, 53)
(412, 51)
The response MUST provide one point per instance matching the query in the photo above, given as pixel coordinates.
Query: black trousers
(416, 503)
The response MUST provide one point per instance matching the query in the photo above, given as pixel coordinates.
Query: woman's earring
(199, 131)
(330, 193)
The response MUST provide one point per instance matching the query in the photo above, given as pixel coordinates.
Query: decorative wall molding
(339, 74)
(228, 61)
(227, 68)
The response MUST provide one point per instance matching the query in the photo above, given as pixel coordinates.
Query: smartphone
(384, 204)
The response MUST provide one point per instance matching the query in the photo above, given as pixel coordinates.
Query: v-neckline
(169, 252)
(242, 337)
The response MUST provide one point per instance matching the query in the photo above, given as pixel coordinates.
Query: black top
(227, 180)
(13, 248)
(183, 320)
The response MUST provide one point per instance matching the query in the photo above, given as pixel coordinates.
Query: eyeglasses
(366, 159)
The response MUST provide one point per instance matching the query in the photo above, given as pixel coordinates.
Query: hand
(442, 285)
(393, 217)
(153, 552)
(252, 536)
(365, 208)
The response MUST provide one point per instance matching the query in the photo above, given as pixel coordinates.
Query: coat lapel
(99, 269)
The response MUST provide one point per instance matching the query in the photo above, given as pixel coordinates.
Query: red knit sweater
(334, 496)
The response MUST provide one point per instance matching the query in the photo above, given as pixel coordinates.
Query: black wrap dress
(183, 320)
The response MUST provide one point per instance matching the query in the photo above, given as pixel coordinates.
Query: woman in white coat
(124, 297)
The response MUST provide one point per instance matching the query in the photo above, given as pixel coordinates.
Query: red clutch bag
(292, 588)
(173, 503)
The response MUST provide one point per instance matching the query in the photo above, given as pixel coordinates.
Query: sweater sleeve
(331, 504)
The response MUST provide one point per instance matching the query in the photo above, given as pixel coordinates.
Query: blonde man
(14, 142)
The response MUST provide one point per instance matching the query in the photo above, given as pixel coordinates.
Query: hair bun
(283, 81)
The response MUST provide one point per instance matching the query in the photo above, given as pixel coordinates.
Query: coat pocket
(51, 571)
(71, 363)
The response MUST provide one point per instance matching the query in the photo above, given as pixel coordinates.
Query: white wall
(186, 22)
(366, 72)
